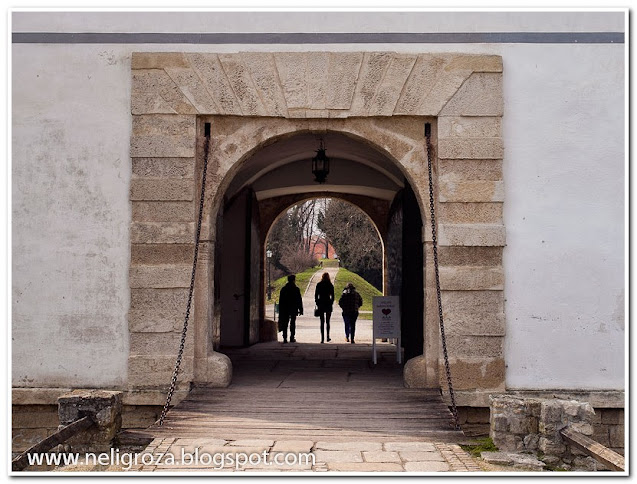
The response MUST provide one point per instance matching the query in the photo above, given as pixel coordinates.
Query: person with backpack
(349, 302)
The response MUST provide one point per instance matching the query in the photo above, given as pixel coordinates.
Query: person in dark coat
(290, 305)
(350, 301)
(324, 299)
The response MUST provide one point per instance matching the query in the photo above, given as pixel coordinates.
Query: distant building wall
(321, 249)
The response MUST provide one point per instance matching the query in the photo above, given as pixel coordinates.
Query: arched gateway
(278, 175)
(262, 108)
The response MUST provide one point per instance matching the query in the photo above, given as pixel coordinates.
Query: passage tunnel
(279, 175)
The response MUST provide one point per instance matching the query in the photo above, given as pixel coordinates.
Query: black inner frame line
(319, 38)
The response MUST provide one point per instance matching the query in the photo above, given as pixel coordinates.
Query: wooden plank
(21, 462)
(431, 436)
(389, 426)
(390, 420)
(303, 433)
(319, 397)
(284, 400)
(298, 428)
(361, 388)
(597, 451)
(400, 410)
(444, 425)
(294, 402)
(359, 425)
(264, 415)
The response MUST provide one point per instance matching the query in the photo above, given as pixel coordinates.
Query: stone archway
(274, 178)
(253, 98)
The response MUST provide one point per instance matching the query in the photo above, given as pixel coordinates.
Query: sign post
(386, 316)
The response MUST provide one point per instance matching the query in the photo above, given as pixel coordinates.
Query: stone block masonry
(533, 425)
(104, 407)
(252, 98)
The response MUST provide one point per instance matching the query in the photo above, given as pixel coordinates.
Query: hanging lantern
(320, 164)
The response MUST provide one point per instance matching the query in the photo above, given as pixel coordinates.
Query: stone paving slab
(265, 444)
(357, 457)
(331, 456)
(293, 446)
(365, 467)
(359, 446)
(427, 466)
(381, 456)
(410, 446)
(421, 456)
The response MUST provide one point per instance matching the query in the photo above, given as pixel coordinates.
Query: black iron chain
(434, 244)
(173, 381)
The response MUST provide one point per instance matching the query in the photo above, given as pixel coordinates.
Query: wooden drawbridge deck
(315, 392)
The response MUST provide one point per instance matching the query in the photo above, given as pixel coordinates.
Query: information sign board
(386, 324)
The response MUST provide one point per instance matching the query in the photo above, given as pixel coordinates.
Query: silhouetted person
(290, 305)
(350, 301)
(324, 299)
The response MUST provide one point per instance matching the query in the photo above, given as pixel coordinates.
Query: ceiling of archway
(284, 168)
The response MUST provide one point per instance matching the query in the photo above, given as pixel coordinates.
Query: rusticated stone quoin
(163, 167)
(471, 278)
(476, 373)
(463, 170)
(148, 343)
(149, 254)
(469, 127)
(470, 255)
(155, 371)
(483, 235)
(161, 189)
(463, 213)
(160, 276)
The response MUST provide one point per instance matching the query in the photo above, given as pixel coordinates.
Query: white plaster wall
(564, 178)
(564, 175)
(70, 215)
(306, 21)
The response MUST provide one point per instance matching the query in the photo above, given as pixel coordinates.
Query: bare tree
(290, 239)
(355, 240)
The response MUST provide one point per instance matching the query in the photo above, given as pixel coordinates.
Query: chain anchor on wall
(180, 353)
(434, 245)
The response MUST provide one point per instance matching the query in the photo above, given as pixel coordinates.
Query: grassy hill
(364, 288)
(329, 262)
(302, 280)
(343, 277)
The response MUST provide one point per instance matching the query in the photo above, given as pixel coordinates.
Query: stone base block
(550, 447)
(154, 397)
(140, 416)
(477, 373)
(267, 330)
(214, 371)
(34, 416)
(104, 407)
(616, 436)
(415, 373)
